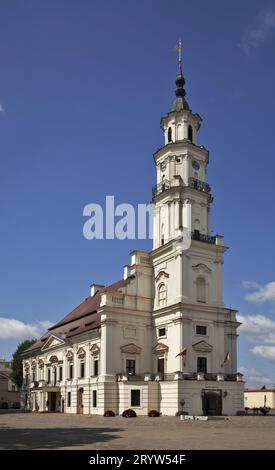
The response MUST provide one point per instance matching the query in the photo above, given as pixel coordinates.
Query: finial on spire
(180, 102)
(178, 48)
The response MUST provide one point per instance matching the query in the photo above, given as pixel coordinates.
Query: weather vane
(178, 48)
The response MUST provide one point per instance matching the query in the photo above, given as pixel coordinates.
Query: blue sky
(83, 85)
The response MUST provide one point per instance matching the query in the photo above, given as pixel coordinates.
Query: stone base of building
(169, 397)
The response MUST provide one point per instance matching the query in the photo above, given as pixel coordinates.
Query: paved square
(58, 431)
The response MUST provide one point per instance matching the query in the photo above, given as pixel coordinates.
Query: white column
(172, 218)
(166, 226)
(156, 228)
(177, 215)
(169, 220)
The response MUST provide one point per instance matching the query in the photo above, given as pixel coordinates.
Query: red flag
(182, 353)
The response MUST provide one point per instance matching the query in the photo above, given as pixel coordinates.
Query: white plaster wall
(257, 399)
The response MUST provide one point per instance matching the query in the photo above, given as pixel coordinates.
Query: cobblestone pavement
(58, 431)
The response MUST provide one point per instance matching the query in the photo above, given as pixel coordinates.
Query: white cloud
(257, 328)
(1, 108)
(266, 352)
(250, 285)
(264, 293)
(10, 328)
(255, 35)
(254, 378)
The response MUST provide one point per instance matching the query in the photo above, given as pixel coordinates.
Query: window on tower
(202, 364)
(162, 293)
(190, 133)
(169, 134)
(201, 290)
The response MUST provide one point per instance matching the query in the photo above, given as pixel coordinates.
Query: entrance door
(80, 401)
(212, 402)
(52, 399)
(161, 365)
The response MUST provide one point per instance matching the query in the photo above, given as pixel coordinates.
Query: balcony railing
(182, 376)
(192, 183)
(202, 237)
(199, 185)
(159, 188)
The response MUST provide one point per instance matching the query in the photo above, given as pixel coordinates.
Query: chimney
(95, 288)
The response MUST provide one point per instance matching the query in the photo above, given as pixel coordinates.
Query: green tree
(16, 364)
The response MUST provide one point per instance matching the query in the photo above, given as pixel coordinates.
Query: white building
(120, 348)
(259, 397)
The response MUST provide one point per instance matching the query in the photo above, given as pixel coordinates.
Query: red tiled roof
(83, 318)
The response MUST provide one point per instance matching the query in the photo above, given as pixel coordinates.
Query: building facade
(9, 393)
(161, 338)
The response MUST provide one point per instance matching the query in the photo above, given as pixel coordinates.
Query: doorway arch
(212, 402)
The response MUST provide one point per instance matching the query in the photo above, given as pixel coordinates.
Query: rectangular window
(82, 370)
(135, 397)
(201, 330)
(202, 364)
(49, 376)
(161, 365)
(94, 399)
(60, 374)
(69, 399)
(71, 370)
(131, 366)
(96, 367)
(162, 332)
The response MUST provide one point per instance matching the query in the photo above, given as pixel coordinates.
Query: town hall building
(160, 338)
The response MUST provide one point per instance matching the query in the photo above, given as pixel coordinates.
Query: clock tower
(187, 259)
(181, 197)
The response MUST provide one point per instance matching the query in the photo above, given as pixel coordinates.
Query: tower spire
(180, 102)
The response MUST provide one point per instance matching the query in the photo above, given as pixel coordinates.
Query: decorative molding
(81, 352)
(130, 349)
(53, 359)
(95, 350)
(201, 268)
(52, 342)
(160, 275)
(202, 346)
(69, 355)
(160, 348)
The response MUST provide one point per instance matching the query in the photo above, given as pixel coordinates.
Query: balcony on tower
(193, 183)
(199, 185)
(202, 237)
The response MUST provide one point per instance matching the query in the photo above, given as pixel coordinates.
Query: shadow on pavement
(17, 439)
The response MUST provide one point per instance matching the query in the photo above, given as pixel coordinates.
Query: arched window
(190, 133)
(169, 134)
(201, 290)
(162, 292)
